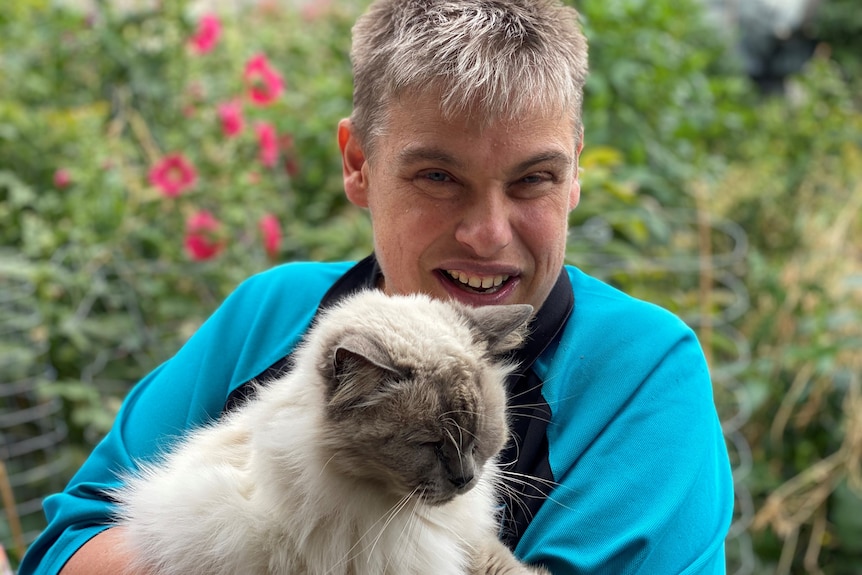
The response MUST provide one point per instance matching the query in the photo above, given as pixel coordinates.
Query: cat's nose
(460, 481)
(459, 465)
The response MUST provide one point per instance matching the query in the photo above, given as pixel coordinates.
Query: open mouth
(477, 284)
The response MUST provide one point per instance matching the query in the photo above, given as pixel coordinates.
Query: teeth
(477, 282)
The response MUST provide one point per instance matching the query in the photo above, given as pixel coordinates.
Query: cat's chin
(438, 500)
(435, 498)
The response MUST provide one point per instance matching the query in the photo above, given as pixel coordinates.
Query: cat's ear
(504, 327)
(359, 372)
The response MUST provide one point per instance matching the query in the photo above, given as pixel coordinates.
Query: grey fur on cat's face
(417, 406)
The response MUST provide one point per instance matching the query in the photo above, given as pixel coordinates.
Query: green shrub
(697, 194)
(799, 193)
(89, 106)
(665, 88)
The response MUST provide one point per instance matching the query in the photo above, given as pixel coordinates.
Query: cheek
(411, 465)
(543, 227)
(403, 231)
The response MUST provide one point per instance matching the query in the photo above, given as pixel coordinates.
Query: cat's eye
(426, 443)
(436, 445)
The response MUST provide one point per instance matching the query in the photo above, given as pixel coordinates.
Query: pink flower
(174, 174)
(203, 240)
(264, 83)
(207, 34)
(268, 142)
(230, 114)
(62, 178)
(270, 229)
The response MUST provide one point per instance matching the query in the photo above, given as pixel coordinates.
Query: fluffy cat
(374, 455)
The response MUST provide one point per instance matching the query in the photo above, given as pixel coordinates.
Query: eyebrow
(434, 154)
(552, 156)
(412, 154)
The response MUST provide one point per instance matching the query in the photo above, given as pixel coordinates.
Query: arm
(99, 556)
(255, 326)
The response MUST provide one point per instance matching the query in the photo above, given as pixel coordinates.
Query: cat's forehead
(411, 317)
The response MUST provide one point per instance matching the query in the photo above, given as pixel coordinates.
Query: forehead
(416, 127)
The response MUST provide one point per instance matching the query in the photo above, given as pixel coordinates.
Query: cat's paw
(497, 559)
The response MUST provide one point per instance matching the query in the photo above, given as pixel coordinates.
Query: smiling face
(467, 211)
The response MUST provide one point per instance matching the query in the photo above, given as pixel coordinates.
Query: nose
(484, 224)
(458, 463)
(460, 481)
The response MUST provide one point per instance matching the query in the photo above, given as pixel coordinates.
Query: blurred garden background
(154, 154)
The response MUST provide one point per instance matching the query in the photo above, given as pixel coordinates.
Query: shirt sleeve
(644, 484)
(257, 325)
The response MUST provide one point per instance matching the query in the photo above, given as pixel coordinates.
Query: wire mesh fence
(32, 427)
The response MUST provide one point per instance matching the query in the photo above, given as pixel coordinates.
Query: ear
(575, 192)
(504, 327)
(360, 370)
(354, 166)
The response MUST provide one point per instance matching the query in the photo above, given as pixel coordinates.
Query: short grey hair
(498, 58)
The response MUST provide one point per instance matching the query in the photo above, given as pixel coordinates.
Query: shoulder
(287, 289)
(302, 278)
(257, 325)
(632, 413)
(602, 308)
(614, 346)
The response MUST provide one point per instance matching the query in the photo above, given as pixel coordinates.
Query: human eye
(534, 179)
(436, 183)
(435, 176)
(533, 185)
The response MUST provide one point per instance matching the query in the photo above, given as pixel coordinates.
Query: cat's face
(428, 433)
(416, 400)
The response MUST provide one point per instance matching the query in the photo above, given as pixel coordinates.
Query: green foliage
(838, 24)
(800, 196)
(786, 170)
(102, 99)
(664, 88)
(681, 156)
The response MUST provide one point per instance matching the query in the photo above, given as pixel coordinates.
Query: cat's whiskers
(455, 442)
(456, 534)
(390, 516)
(323, 467)
(514, 477)
(539, 385)
(525, 479)
(526, 391)
(529, 412)
(413, 521)
(332, 507)
(514, 497)
(361, 545)
(461, 431)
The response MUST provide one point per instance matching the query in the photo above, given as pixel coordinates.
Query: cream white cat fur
(374, 455)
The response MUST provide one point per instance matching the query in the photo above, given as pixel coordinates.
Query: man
(463, 146)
